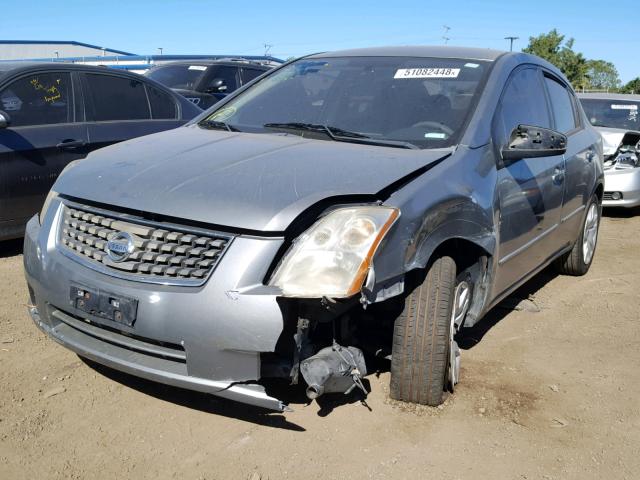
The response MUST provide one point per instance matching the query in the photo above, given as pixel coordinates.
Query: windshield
(612, 113)
(420, 102)
(184, 77)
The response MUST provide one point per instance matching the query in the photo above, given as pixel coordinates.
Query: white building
(46, 50)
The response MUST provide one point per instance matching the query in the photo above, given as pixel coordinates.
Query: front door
(530, 191)
(41, 139)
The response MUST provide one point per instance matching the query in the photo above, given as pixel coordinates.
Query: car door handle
(558, 175)
(70, 143)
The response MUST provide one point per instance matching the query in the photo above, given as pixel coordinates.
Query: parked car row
(372, 201)
(53, 114)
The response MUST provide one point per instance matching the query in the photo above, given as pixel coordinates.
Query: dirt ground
(548, 394)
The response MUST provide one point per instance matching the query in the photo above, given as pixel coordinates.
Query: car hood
(611, 138)
(258, 182)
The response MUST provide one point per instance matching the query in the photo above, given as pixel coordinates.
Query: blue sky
(603, 30)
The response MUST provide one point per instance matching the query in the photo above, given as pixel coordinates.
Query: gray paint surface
(251, 181)
(263, 182)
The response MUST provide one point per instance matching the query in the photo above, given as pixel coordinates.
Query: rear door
(44, 135)
(530, 191)
(579, 172)
(122, 107)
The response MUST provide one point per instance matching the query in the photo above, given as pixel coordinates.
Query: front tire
(578, 261)
(422, 337)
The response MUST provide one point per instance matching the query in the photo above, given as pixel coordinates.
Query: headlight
(46, 204)
(332, 258)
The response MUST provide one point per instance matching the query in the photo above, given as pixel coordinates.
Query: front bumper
(625, 181)
(206, 338)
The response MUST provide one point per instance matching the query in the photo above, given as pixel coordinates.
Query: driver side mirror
(5, 119)
(217, 86)
(527, 141)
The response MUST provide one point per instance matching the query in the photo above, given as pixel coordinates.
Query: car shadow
(470, 337)
(196, 400)
(294, 395)
(620, 212)
(11, 248)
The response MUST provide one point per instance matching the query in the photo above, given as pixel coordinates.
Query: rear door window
(561, 105)
(163, 106)
(249, 74)
(116, 98)
(523, 103)
(39, 99)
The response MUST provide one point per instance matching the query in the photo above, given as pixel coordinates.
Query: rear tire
(578, 261)
(421, 338)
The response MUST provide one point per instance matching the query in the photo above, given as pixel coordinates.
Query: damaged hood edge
(254, 182)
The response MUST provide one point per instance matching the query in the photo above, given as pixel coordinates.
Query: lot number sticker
(427, 73)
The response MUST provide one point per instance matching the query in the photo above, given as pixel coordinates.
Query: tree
(602, 75)
(632, 87)
(553, 48)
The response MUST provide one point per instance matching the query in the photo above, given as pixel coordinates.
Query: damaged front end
(626, 154)
(322, 274)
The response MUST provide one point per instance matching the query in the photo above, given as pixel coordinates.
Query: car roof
(435, 51)
(610, 96)
(10, 68)
(207, 62)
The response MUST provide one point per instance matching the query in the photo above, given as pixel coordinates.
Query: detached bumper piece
(334, 369)
(164, 363)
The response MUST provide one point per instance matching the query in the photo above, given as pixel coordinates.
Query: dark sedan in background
(205, 82)
(53, 113)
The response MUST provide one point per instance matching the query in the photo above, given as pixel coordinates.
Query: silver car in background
(617, 118)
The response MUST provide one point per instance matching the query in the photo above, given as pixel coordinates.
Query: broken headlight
(332, 258)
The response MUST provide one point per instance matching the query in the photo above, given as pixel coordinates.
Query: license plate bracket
(103, 304)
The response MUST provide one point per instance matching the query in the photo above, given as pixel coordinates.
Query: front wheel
(425, 358)
(578, 261)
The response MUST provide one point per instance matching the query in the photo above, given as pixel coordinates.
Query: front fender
(454, 200)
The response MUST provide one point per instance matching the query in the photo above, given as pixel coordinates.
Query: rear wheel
(578, 261)
(425, 358)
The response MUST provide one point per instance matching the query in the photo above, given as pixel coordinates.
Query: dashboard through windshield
(395, 101)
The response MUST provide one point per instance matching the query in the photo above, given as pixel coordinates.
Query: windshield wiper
(340, 135)
(216, 125)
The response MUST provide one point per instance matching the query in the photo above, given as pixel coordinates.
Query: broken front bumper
(207, 338)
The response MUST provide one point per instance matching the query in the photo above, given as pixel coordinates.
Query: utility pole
(160, 49)
(267, 48)
(511, 39)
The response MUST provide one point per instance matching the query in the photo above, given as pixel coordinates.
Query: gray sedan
(344, 205)
(617, 118)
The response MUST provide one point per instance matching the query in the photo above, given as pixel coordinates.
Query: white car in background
(617, 117)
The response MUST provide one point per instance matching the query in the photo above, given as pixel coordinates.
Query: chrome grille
(160, 253)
